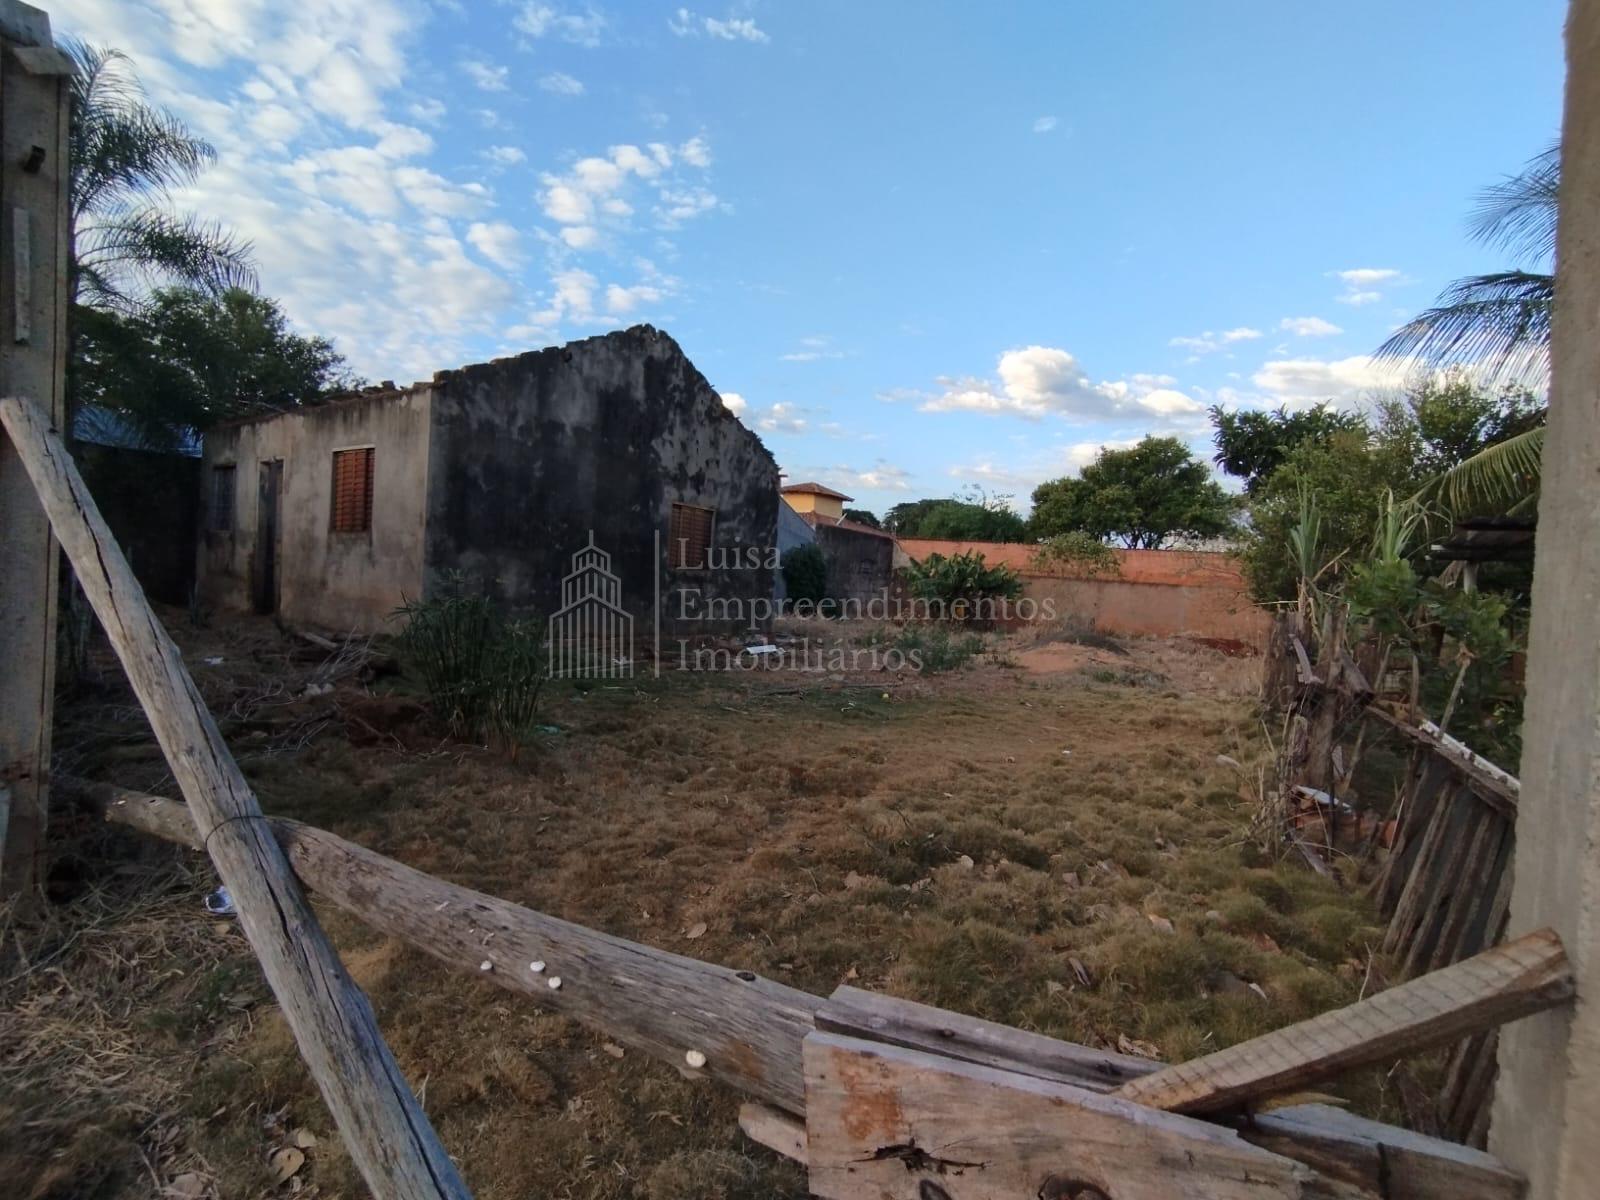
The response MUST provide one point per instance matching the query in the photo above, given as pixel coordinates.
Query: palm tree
(1499, 325)
(126, 155)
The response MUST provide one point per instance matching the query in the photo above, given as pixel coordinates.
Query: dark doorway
(269, 509)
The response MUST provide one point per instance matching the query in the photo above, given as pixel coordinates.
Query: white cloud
(811, 349)
(430, 111)
(882, 476)
(1044, 124)
(1209, 342)
(623, 300)
(1366, 285)
(542, 20)
(498, 241)
(1302, 382)
(783, 418)
(734, 403)
(729, 29)
(486, 76)
(505, 156)
(590, 195)
(1037, 381)
(1309, 327)
(1080, 454)
(562, 84)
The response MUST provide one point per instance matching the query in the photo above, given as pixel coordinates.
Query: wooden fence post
(1547, 1102)
(388, 1136)
(33, 306)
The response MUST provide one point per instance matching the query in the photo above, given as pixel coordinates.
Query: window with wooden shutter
(689, 536)
(352, 490)
(219, 512)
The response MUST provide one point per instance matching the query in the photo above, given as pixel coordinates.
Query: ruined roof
(815, 519)
(814, 489)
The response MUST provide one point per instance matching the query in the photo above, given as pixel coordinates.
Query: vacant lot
(1043, 837)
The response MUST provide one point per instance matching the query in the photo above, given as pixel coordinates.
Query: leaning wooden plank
(774, 1129)
(1521, 977)
(1495, 786)
(388, 1136)
(887, 1121)
(1360, 1160)
(747, 1028)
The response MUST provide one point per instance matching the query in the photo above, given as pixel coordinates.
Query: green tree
(1252, 443)
(972, 517)
(186, 359)
(126, 157)
(1142, 497)
(805, 574)
(863, 516)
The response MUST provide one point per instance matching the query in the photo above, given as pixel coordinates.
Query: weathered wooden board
(877, 1018)
(1521, 977)
(884, 1121)
(657, 1002)
(383, 1126)
(775, 1129)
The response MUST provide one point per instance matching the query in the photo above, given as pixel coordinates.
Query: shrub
(1079, 550)
(934, 649)
(962, 585)
(482, 673)
(805, 574)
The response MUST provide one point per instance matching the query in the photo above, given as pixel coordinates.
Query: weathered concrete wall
(792, 532)
(1547, 1102)
(1157, 593)
(860, 565)
(531, 454)
(342, 581)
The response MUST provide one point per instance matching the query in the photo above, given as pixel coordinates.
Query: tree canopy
(1252, 443)
(863, 516)
(973, 517)
(1143, 497)
(186, 359)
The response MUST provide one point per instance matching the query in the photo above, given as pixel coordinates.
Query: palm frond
(1503, 477)
(1498, 325)
(1518, 214)
(133, 250)
(123, 147)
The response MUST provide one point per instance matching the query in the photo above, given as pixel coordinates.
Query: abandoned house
(331, 515)
(860, 558)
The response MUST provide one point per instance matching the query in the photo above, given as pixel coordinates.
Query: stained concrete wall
(860, 565)
(532, 454)
(341, 581)
(792, 532)
(1156, 592)
(1547, 1102)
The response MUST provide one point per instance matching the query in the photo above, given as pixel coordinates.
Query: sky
(917, 246)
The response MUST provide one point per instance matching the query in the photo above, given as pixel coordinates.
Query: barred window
(689, 536)
(219, 511)
(352, 490)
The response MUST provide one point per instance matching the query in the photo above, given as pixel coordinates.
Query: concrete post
(1546, 1115)
(34, 248)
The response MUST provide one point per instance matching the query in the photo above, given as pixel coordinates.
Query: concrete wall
(531, 454)
(860, 565)
(1157, 592)
(792, 532)
(341, 581)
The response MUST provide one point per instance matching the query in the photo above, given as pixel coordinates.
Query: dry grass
(929, 838)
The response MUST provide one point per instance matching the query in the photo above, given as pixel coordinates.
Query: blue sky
(918, 246)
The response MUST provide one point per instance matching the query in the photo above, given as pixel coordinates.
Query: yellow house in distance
(814, 498)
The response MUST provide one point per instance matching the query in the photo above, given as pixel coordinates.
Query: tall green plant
(483, 674)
